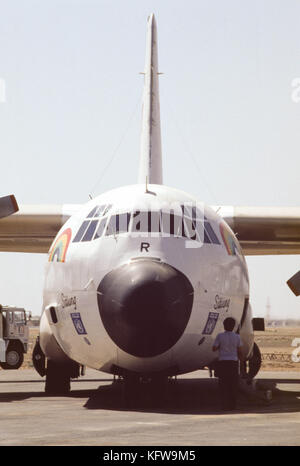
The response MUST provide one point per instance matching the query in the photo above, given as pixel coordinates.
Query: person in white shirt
(229, 346)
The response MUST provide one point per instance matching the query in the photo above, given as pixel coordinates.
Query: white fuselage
(213, 264)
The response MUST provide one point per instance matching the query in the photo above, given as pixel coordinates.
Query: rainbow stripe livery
(229, 240)
(59, 249)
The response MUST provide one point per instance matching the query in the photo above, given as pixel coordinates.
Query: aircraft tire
(250, 368)
(57, 379)
(38, 358)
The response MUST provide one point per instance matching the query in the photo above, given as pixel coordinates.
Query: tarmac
(97, 412)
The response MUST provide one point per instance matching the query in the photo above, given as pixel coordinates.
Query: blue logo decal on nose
(211, 323)
(78, 324)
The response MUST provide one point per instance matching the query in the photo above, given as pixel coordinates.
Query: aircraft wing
(33, 227)
(260, 230)
(264, 230)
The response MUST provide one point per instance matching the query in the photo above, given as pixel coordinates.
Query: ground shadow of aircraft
(182, 396)
(191, 396)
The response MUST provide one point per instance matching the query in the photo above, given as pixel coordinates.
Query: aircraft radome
(140, 279)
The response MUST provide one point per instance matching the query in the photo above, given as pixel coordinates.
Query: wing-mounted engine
(8, 206)
(294, 283)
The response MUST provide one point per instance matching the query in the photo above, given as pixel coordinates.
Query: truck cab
(14, 334)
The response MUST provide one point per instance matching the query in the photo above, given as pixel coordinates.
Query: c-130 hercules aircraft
(140, 279)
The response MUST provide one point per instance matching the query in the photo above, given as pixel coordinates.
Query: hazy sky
(70, 108)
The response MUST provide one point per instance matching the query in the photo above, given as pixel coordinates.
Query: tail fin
(150, 157)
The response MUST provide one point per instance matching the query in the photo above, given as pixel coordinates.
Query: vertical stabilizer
(150, 156)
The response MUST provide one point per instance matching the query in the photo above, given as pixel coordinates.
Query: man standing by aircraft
(229, 346)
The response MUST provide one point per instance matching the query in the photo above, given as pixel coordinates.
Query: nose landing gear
(145, 390)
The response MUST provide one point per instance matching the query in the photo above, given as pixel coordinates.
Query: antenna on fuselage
(147, 190)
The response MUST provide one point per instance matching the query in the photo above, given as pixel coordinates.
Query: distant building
(34, 321)
(282, 323)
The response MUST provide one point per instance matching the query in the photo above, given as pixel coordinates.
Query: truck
(14, 334)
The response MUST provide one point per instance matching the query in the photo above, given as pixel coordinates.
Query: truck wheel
(14, 357)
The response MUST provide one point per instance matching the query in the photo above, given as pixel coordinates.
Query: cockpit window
(106, 209)
(192, 212)
(81, 231)
(100, 228)
(146, 222)
(118, 224)
(189, 228)
(99, 210)
(90, 231)
(154, 222)
(171, 224)
(209, 230)
(191, 224)
(92, 212)
(123, 223)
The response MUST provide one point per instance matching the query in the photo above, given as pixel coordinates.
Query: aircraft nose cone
(145, 306)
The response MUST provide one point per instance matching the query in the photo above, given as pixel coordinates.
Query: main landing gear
(58, 374)
(251, 367)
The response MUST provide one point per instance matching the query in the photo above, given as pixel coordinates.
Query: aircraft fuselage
(141, 279)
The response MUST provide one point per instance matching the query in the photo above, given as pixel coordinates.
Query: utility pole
(268, 312)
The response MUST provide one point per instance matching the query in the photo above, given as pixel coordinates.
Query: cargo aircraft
(139, 280)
